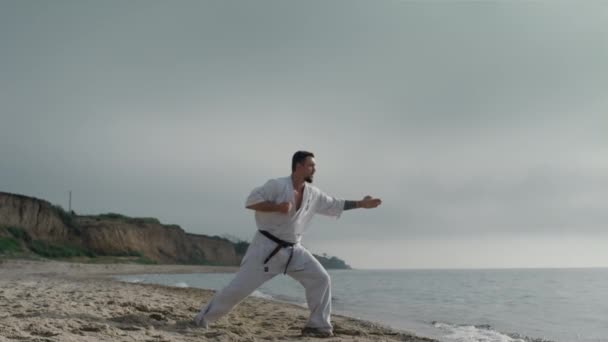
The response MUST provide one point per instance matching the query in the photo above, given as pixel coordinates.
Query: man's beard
(308, 179)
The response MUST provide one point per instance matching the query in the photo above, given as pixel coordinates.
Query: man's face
(307, 169)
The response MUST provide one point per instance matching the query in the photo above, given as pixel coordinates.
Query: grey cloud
(544, 201)
(467, 118)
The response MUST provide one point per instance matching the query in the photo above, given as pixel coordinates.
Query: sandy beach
(59, 301)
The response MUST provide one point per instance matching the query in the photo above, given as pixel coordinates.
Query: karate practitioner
(283, 208)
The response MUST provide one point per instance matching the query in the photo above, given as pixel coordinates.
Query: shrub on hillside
(19, 233)
(50, 250)
(9, 245)
(68, 218)
(127, 219)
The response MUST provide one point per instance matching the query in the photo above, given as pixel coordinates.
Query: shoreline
(64, 301)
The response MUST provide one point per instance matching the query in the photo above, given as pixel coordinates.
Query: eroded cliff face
(38, 217)
(166, 244)
(158, 242)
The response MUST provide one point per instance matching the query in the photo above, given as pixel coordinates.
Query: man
(283, 208)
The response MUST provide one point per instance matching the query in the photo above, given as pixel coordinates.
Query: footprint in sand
(158, 317)
(137, 320)
(212, 334)
(93, 327)
(43, 331)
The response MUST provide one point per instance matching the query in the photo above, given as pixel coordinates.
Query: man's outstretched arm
(368, 202)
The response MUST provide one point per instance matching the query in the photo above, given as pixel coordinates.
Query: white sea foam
(132, 280)
(259, 294)
(471, 333)
(181, 284)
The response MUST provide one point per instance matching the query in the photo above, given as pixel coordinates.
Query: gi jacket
(291, 226)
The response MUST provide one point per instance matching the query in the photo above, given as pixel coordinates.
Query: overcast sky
(483, 126)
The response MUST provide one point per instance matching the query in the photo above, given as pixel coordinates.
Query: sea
(502, 305)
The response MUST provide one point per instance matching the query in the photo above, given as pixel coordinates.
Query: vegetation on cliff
(16, 242)
(9, 245)
(332, 262)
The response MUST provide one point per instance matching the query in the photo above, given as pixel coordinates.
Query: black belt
(280, 244)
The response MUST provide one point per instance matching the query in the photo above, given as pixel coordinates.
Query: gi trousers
(303, 267)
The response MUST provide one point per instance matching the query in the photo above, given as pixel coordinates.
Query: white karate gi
(303, 267)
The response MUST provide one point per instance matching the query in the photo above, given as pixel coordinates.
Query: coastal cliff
(29, 224)
(39, 218)
(48, 227)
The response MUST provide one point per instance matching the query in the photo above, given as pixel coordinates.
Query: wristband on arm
(350, 205)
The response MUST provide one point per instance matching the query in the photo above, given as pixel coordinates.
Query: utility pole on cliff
(70, 203)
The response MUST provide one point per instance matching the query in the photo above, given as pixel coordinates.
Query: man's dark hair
(299, 157)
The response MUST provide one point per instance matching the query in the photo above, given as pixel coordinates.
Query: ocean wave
(259, 294)
(181, 284)
(480, 333)
(132, 280)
